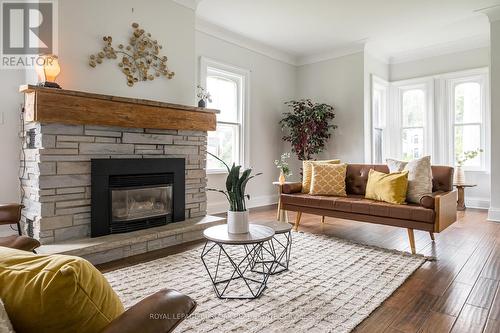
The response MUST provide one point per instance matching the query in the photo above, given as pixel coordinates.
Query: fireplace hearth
(134, 194)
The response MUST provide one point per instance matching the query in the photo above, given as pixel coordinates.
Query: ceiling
(310, 29)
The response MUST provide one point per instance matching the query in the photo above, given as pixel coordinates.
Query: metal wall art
(140, 59)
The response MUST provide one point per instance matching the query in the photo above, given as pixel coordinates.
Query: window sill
(217, 172)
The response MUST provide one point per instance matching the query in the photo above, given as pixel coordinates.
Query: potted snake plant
(237, 215)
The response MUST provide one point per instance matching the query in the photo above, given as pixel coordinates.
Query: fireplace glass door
(131, 204)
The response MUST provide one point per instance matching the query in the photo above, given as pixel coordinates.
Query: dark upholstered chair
(11, 214)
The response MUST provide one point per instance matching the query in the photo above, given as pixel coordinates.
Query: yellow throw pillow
(388, 187)
(56, 293)
(328, 179)
(307, 172)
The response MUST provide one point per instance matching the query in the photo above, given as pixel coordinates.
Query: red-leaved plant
(307, 126)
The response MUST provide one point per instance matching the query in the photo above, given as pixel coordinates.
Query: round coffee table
(230, 261)
(280, 246)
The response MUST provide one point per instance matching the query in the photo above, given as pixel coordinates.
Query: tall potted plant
(308, 125)
(237, 215)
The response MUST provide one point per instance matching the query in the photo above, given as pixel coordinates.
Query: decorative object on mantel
(308, 125)
(204, 96)
(459, 176)
(283, 167)
(237, 215)
(47, 68)
(141, 59)
(82, 108)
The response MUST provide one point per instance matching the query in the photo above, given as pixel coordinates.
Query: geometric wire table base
(234, 273)
(276, 253)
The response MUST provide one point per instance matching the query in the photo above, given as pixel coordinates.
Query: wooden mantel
(49, 105)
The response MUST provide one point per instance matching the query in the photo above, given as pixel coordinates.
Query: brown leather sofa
(170, 306)
(435, 212)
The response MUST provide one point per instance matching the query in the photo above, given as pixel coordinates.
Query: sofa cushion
(328, 179)
(307, 173)
(359, 205)
(419, 176)
(55, 293)
(388, 187)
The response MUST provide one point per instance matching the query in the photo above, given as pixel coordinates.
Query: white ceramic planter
(459, 178)
(237, 222)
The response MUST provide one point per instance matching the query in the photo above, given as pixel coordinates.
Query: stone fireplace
(140, 163)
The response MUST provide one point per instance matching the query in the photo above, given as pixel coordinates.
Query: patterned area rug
(331, 286)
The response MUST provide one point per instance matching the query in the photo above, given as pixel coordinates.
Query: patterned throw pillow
(307, 172)
(388, 187)
(419, 176)
(5, 325)
(328, 179)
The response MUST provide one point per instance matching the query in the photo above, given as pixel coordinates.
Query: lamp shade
(47, 67)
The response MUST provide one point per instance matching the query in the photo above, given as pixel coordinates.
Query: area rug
(331, 286)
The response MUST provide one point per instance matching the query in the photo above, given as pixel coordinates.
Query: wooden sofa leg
(322, 219)
(411, 237)
(297, 221)
(432, 235)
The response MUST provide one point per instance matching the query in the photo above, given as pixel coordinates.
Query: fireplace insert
(134, 194)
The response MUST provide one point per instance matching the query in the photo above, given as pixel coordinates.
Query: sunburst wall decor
(140, 59)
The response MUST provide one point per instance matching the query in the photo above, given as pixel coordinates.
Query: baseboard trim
(477, 202)
(494, 214)
(221, 206)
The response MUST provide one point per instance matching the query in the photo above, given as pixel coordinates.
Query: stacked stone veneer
(56, 177)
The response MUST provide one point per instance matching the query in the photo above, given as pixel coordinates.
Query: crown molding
(247, 43)
(493, 12)
(191, 4)
(337, 52)
(461, 45)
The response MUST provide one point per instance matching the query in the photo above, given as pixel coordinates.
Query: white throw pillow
(419, 176)
(5, 325)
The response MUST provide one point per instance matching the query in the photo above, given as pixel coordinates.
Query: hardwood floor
(459, 292)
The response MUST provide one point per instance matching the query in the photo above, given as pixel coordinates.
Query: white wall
(339, 82)
(271, 84)
(10, 112)
(82, 24)
(440, 64)
(479, 196)
(494, 213)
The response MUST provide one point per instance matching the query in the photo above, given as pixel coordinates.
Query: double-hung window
(467, 115)
(227, 87)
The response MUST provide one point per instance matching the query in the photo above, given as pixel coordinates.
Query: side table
(282, 215)
(280, 246)
(228, 259)
(461, 195)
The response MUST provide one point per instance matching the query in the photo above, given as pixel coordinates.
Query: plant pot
(202, 103)
(237, 222)
(459, 176)
(282, 178)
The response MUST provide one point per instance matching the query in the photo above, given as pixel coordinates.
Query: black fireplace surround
(134, 194)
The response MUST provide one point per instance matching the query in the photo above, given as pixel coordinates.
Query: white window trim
(448, 82)
(244, 147)
(380, 84)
